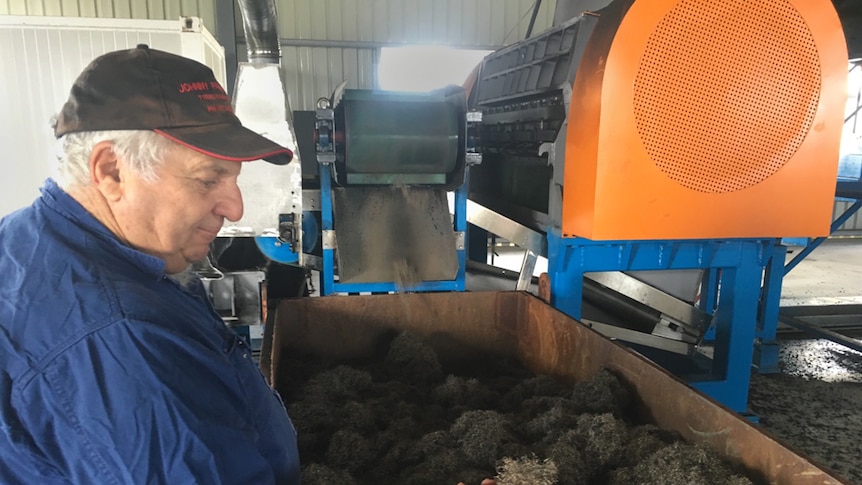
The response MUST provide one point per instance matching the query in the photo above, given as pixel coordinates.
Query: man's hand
(486, 481)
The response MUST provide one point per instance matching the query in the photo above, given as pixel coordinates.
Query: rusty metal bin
(519, 325)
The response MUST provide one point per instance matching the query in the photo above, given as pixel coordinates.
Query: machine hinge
(459, 240)
(328, 239)
(288, 230)
(324, 131)
(311, 200)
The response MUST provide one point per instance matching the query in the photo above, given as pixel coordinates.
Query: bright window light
(425, 67)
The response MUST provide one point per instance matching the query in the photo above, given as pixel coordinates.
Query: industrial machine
(666, 135)
(640, 138)
(373, 214)
(386, 163)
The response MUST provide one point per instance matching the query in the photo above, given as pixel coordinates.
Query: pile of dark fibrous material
(403, 417)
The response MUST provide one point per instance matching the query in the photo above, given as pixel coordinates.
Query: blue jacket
(113, 373)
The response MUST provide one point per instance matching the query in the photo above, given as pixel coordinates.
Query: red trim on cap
(223, 157)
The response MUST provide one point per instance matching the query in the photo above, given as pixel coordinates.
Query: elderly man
(114, 369)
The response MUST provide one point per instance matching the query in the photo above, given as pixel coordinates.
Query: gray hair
(142, 150)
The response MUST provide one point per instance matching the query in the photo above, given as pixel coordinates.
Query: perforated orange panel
(706, 119)
(726, 91)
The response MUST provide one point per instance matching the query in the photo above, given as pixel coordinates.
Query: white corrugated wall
(853, 226)
(329, 41)
(42, 56)
(453, 22)
(326, 42)
(120, 9)
(313, 72)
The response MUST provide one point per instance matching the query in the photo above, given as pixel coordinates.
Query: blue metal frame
(330, 286)
(740, 263)
(766, 349)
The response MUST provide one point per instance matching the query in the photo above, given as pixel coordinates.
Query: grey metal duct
(270, 192)
(259, 24)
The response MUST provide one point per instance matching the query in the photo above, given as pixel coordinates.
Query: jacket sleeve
(136, 403)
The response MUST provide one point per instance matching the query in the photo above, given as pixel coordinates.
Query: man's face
(176, 217)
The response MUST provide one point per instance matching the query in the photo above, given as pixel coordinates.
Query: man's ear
(105, 171)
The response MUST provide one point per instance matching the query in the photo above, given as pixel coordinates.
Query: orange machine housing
(694, 119)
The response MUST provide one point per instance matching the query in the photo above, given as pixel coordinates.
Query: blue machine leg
(567, 280)
(766, 349)
(327, 275)
(460, 216)
(735, 321)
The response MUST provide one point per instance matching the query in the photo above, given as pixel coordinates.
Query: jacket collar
(61, 202)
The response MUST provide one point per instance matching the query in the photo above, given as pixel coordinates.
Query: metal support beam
(740, 261)
(636, 337)
(359, 44)
(767, 349)
(821, 332)
(734, 333)
(528, 266)
(691, 321)
(519, 234)
(818, 241)
(536, 8)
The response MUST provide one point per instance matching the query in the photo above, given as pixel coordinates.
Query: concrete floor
(830, 275)
(815, 404)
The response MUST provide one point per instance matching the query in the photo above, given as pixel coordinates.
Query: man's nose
(230, 203)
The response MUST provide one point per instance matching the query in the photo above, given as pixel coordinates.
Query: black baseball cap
(179, 98)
